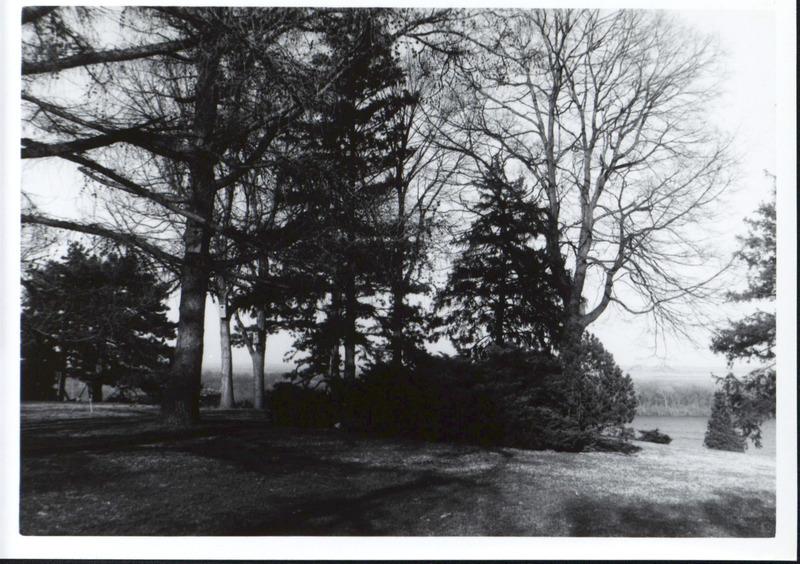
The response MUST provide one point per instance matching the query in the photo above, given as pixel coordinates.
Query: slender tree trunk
(398, 300)
(398, 278)
(226, 396)
(97, 380)
(335, 356)
(62, 389)
(350, 306)
(61, 373)
(257, 356)
(396, 322)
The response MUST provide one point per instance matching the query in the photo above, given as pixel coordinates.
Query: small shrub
(612, 444)
(591, 389)
(621, 433)
(434, 400)
(655, 436)
(721, 434)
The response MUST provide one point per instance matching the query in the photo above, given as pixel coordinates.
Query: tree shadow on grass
(728, 515)
(311, 482)
(112, 433)
(375, 512)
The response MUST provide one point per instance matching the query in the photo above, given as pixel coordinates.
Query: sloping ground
(115, 472)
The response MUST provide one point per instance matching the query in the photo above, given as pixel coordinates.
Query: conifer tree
(721, 433)
(500, 290)
(101, 319)
(751, 399)
(338, 173)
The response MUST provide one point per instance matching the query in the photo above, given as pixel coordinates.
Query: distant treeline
(679, 398)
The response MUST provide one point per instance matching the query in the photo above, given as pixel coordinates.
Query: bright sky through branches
(746, 107)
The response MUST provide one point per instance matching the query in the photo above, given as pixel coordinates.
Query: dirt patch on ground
(116, 472)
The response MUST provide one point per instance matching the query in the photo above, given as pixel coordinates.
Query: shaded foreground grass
(115, 472)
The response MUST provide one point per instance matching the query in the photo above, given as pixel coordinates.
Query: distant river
(689, 432)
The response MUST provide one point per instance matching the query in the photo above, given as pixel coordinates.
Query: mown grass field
(115, 472)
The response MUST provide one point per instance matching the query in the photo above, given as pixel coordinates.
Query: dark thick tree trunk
(226, 396)
(181, 401)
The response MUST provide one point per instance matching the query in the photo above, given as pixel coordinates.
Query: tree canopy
(499, 290)
(99, 318)
(308, 167)
(751, 399)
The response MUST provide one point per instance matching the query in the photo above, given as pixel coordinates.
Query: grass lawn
(115, 472)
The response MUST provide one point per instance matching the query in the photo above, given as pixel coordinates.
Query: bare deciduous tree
(204, 110)
(606, 113)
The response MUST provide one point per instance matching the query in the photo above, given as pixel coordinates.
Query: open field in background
(689, 433)
(677, 397)
(117, 473)
(242, 382)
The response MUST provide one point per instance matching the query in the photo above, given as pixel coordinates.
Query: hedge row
(508, 398)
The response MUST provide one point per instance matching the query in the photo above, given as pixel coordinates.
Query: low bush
(502, 399)
(435, 400)
(591, 389)
(655, 436)
(294, 405)
(507, 397)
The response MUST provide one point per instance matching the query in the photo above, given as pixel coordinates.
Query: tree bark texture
(257, 355)
(226, 395)
(181, 401)
(350, 315)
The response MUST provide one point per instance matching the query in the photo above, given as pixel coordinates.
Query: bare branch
(108, 56)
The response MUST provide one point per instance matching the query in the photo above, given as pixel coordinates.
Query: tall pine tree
(752, 399)
(500, 290)
(338, 173)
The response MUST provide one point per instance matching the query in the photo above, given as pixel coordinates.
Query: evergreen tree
(751, 399)
(721, 433)
(101, 319)
(337, 172)
(500, 290)
(592, 390)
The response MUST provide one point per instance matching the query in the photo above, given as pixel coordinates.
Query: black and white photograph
(383, 281)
